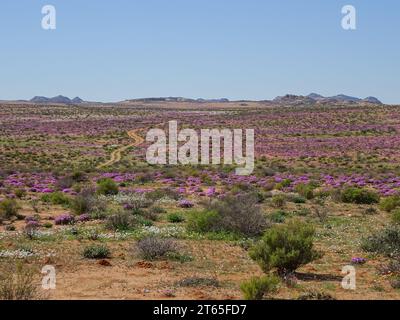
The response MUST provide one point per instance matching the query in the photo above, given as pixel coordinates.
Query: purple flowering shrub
(64, 219)
(83, 218)
(186, 204)
(358, 260)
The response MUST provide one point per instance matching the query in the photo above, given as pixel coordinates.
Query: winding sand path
(116, 154)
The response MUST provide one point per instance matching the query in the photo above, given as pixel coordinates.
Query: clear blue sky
(239, 49)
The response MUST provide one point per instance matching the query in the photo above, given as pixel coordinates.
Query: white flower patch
(168, 232)
(165, 201)
(114, 236)
(17, 254)
(23, 254)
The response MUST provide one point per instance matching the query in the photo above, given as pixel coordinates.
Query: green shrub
(78, 176)
(238, 215)
(285, 247)
(48, 225)
(56, 198)
(152, 248)
(359, 196)
(278, 201)
(299, 200)
(305, 190)
(96, 252)
(179, 257)
(386, 242)
(162, 193)
(175, 218)
(84, 203)
(20, 193)
(141, 220)
(107, 187)
(256, 288)
(390, 203)
(18, 282)
(121, 221)
(278, 216)
(370, 211)
(8, 208)
(396, 216)
(283, 184)
(204, 221)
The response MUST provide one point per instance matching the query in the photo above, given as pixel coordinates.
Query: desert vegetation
(325, 194)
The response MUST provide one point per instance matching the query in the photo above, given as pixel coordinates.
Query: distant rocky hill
(315, 98)
(58, 99)
(175, 99)
(286, 100)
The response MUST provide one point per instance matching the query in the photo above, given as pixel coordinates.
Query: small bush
(285, 247)
(162, 193)
(82, 203)
(176, 256)
(278, 201)
(141, 220)
(256, 288)
(204, 221)
(30, 229)
(48, 225)
(186, 204)
(386, 242)
(393, 267)
(396, 217)
(299, 200)
(135, 203)
(390, 203)
(56, 198)
(278, 216)
(121, 221)
(64, 219)
(238, 214)
(20, 193)
(10, 227)
(96, 252)
(107, 187)
(359, 196)
(316, 295)
(153, 213)
(152, 248)
(370, 211)
(8, 208)
(175, 218)
(305, 190)
(395, 282)
(18, 283)
(283, 184)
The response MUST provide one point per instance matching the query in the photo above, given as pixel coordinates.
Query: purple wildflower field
(73, 176)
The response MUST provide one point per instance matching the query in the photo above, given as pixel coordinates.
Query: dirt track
(117, 154)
